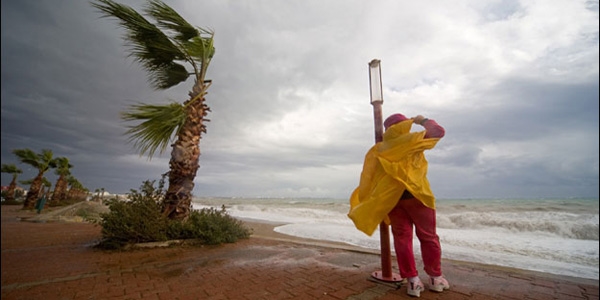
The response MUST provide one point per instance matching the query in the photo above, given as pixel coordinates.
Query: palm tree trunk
(60, 191)
(78, 194)
(34, 192)
(10, 193)
(184, 159)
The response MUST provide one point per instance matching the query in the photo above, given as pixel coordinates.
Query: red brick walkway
(56, 260)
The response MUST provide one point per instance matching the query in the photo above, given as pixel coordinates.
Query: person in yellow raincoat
(394, 189)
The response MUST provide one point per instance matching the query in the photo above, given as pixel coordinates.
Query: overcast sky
(514, 83)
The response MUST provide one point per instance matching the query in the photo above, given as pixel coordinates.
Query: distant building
(17, 188)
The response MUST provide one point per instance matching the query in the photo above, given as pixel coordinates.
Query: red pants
(409, 212)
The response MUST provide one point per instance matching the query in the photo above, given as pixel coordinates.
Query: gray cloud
(515, 85)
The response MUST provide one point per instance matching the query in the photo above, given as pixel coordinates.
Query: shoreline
(557, 236)
(51, 256)
(266, 230)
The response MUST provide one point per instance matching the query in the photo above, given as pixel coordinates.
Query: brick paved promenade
(55, 260)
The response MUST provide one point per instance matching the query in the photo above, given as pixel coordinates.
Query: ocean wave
(565, 225)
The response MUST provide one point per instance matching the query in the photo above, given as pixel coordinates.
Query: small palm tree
(162, 49)
(14, 171)
(42, 162)
(63, 169)
(76, 189)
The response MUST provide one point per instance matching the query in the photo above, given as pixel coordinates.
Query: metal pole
(386, 273)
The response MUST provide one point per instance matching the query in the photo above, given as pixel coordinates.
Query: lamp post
(376, 88)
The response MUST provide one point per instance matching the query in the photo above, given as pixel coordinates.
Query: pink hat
(393, 119)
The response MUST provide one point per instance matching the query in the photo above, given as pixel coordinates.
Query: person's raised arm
(432, 128)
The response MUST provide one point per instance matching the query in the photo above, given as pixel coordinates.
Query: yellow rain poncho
(391, 166)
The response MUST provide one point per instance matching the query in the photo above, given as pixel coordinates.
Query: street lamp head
(374, 63)
(375, 81)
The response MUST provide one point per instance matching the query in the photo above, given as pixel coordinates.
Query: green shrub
(140, 220)
(209, 226)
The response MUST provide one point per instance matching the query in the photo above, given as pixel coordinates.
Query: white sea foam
(558, 236)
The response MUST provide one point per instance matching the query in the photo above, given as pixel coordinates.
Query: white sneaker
(414, 288)
(438, 284)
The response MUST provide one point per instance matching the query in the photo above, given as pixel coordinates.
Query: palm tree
(42, 161)
(44, 183)
(76, 189)
(162, 49)
(14, 171)
(63, 169)
(97, 197)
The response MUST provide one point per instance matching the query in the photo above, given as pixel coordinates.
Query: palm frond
(148, 44)
(46, 155)
(73, 182)
(11, 169)
(27, 156)
(201, 48)
(169, 19)
(159, 123)
(193, 41)
(62, 166)
(26, 181)
(46, 182)
(168, 76)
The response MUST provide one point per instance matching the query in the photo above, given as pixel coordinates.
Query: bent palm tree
(63, 169)
(42, 161)
(14, 171)
(161, 49)
(45, 183)
(76, 190)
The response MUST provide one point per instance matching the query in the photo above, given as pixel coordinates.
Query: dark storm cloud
(515, 85)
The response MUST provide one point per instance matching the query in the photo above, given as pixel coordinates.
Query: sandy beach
(50, 256)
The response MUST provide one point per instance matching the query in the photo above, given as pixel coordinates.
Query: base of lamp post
(391, 278)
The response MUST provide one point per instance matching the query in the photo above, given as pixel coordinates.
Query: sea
(557, 236)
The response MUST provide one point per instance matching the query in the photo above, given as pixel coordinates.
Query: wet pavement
(56, 260)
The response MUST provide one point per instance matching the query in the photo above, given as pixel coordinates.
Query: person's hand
(418, 119)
